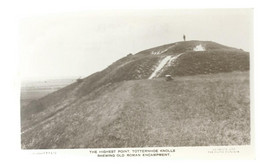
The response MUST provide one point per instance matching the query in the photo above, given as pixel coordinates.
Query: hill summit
(101, 96)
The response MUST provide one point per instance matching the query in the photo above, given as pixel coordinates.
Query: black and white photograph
(104, 79)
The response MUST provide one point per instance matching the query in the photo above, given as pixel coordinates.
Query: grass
(206, 62)
(199, 110)
(196, 111)
(216, 59)
(184, 46)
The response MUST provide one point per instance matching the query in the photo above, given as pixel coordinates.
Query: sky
(65, 45)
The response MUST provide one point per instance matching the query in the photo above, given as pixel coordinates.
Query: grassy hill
(138, 113)
(123, 89)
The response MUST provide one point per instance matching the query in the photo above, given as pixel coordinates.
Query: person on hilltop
(184, 37)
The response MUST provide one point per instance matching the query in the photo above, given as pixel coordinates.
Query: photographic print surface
(136, 78)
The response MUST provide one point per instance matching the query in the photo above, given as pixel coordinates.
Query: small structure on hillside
(168, 77)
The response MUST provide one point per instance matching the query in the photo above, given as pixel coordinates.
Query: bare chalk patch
(166, 61)
(161, 51)
(199, 48)
(171, 61)
(160, 66)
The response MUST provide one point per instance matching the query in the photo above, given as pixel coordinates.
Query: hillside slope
(138, 113)
(176, 59)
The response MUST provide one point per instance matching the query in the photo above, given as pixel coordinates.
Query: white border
(12, 11)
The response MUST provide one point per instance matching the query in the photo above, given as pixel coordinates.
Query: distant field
(201, 110)
(36, 89)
